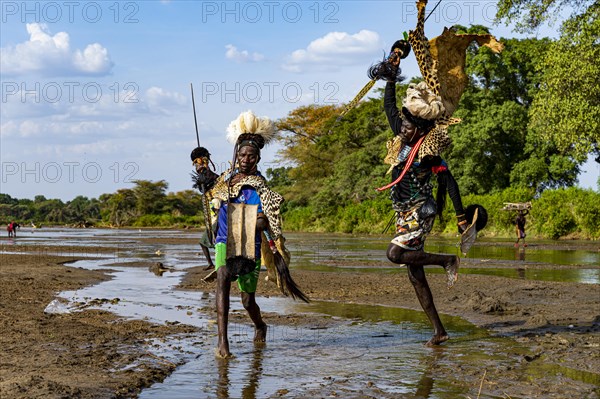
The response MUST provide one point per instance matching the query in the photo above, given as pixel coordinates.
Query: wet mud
(542, 338)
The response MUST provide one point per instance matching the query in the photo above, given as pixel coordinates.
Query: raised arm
(391, 109)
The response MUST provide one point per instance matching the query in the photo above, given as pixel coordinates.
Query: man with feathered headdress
(247, 215)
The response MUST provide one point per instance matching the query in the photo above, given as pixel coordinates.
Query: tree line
(146, 204)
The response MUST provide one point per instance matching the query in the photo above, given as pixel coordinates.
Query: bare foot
(260, 333)
(223, 353)
(437, 339)
(209, 267)
(452, 270)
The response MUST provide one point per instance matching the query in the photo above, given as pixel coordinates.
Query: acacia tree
(302, 130)
(150, 196)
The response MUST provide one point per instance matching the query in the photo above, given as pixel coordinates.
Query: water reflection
(426, 382)
(577, 262)
(250, 389)
(229, 376)
(520, 254)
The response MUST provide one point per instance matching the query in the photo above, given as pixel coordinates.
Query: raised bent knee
(394, 253)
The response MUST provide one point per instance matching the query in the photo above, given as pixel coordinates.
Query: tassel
(287, 284)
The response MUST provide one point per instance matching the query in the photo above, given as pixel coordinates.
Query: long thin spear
(195, 120)
(205, 205)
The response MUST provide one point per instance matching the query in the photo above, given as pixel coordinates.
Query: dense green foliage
(566, 109)
(571, 212)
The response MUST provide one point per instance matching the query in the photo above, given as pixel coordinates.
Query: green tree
(301, 132)
(82, 209)
(566, 111)
(494, 138)
(7, 199)
(52, 210)
(187, 202)
(528, 15)
(279, 178)
(120, 207)
(150, 196)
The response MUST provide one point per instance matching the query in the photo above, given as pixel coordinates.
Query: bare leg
(206, 253)
(416, 275)
(222, 297)
(249, 302)
(450, 263)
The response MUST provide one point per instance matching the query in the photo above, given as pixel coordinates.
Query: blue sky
(97, 93)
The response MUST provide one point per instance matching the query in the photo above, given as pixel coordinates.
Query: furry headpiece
(249, 129)
(199, 152)
(421, 106)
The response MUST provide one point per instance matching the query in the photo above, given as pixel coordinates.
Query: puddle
(388, 363)
(374, 351)
(536, 262)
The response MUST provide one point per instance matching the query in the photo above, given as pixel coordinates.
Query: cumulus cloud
(236, 55)
(161, 98)
(49, 55)
(335, 49)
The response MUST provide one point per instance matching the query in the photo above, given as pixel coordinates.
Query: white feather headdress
(247, 122)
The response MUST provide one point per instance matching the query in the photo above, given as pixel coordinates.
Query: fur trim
(422, 102)
(247, 122)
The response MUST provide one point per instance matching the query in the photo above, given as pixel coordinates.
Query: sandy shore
(90, 354)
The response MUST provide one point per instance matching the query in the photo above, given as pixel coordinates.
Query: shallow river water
(373, 349)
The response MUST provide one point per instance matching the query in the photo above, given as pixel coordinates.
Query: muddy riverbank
(555, 327)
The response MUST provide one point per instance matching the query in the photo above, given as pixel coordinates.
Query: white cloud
(30, 129)
(236, 55)
(334, 50)
(52, 56)
(160, 98)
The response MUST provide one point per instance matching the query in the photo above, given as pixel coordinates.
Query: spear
(205, 205)
(195, 120)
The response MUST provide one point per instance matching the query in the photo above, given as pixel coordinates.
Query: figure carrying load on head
(420, 130)
(248, 225)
